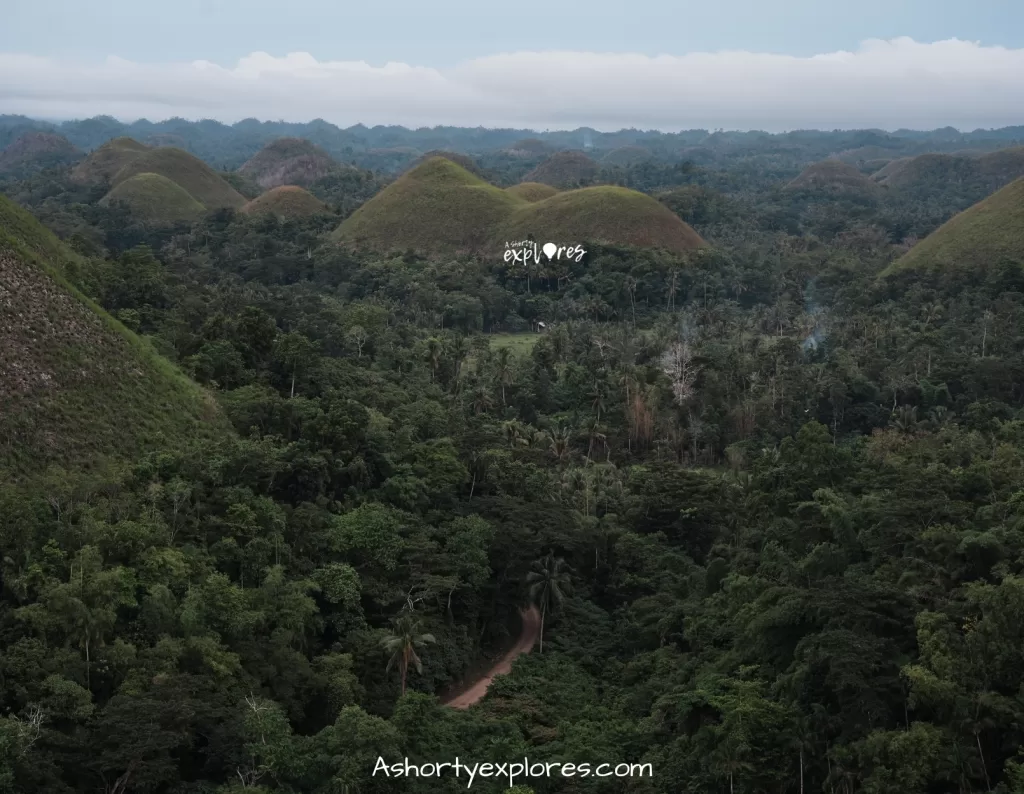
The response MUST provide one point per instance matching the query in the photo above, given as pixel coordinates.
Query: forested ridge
(770, 505)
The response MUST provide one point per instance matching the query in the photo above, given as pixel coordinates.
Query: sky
(542, 64)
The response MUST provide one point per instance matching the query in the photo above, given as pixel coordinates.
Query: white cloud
(886, 84)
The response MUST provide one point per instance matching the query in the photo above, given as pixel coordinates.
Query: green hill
(287, 201)
(565, 170)
(76, 386)
(463, 160)
(834, 176)
(191, 173)
(989, 233)
(103, 163)
(440, 207)
(38, 150)
(531, 191)
(606, 214)
(155, 199)
(437, 206)
(289, 161)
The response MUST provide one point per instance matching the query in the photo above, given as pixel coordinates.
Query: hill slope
(289, 161)
(155, 199)
(833, 176)
(604, 213)
(564, 170)
(102, 164)
(989, 233)
(287, 201)
(38, 149)
(436, 206)
(531, 191)
(927, 171)
(628, 155)
(76, 386)
(191, 173)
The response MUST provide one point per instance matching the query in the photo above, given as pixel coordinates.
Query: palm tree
(433, 355)
(402, 642)
(504, 370)
(548, 581)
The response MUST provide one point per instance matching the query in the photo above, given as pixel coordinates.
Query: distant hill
(77, 387)
(38, 150)
(289, 161)
(927, 170)
(532, 191)
(191, 173)
(527, 148)
(464, 160)
(627, 155)
(605, 214)
(287, 201)
(563, 170)
(834, 176)
(1005, 164)
(155, 199)
(990, 233)
(439, 207)
(436, 206)
(103, 163)
(936, 171)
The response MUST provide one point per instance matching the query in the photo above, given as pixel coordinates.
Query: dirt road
(527, 637)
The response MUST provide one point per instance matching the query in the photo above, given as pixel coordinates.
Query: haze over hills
(440, 207)
(289, 161)
(77, 387)
(988, 235)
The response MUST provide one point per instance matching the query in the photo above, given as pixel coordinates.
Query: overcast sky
(737, 64)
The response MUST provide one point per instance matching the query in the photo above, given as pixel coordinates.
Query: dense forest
(769, 503)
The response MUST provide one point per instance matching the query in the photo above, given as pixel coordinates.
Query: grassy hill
(436, 206)
(191, 173)
(289, 161)
(834, 176)
(155, 199)
(565, 170)
(463, 160)
(605, 213)
(76, 386)
(440, 207)
(103, 163)
(287, 201)
(531, 191)
(39, 150)
(989, 233)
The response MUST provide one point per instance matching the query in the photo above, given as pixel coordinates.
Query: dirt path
(527, 637)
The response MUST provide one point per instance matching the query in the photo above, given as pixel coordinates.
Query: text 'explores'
(509, 770)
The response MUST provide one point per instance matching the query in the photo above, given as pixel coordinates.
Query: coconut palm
(548, 583)
(402, 642)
